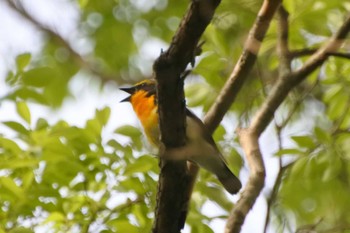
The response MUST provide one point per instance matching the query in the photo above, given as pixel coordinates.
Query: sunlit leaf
(103, 115)
(132, 183)
(82, 3)
(142, 164)
(16, 127)
(125, 226)
(41, 124)
(55, 217)
(11, 78)
(304, 141)
(23, 111)
(60, 176)
(19, 163)
(9, 185)
(322, 135)
(23, 60)
(38, 77)
(128, 130)
(28, 94)
(10, 145)
(290, 151)
(21, 230)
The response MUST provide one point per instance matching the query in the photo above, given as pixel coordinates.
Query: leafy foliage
(58, 177)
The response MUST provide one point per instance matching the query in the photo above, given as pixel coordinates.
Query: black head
(148, 85)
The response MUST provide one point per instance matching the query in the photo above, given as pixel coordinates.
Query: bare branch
(243, 66)
(283, 48)
(78, 59)
(306, 52)
(249, 142)
(301, 52)
(248, 137)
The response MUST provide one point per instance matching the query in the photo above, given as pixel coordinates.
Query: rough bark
(176, 180)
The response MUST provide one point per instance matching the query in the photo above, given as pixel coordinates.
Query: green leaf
(94, 126)
(125, 226)
(322, 135)
(28, 179)
(337, 106)
(215, 194)
(55, 217)
(128, 130)
(10, 145)
(19, 163)
(23, 60)
(16, 127)
(103, 115)
(132, 183)
(219, 133)
(206, 229)
(142, 164)
(20, 230)
(83, 3)
(41, 124)
(23, 111)
(39, 77)
(304, 141)
(8, 184)
(116, 145)
(139, 215)
(290, 151)
(27, 94)
(197, 94)
(11, 78)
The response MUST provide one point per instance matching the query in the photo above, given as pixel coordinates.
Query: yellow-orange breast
(146, 110)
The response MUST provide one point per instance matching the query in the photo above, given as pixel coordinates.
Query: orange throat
(146, 110)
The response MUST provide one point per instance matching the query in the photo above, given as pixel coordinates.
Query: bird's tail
(230, 182)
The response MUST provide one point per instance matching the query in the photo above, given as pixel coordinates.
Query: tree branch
(284, 68)
(306, 52)
(249, 137)
(282, 169)
(287, 82)
(175, 180)
(243, 66)
(323, 53)
(77, 58)
(282, 46)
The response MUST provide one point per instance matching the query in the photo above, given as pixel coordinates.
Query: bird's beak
(129, 90)
(127, 99)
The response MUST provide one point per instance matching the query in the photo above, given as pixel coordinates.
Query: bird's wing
(205, 132)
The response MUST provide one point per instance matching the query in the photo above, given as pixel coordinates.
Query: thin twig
(282, 45)
(307, 52)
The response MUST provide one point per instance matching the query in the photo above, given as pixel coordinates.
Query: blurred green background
(72, 159)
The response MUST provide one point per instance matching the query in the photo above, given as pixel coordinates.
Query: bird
(199, 147)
